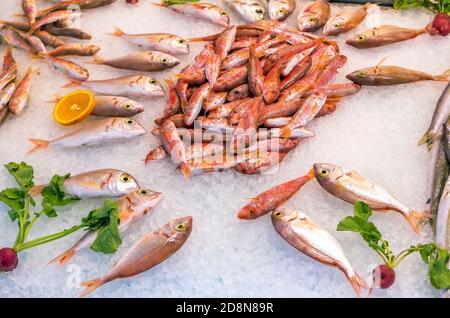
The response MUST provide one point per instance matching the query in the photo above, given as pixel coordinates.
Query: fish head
(327, 173)
(167, 60)
(220, 16)
(93, 49)
(121, 183)
(308, 22)
(181, 45)
(334, 26)
(358, 40)
(130, 106)
(180, 228)
(279, 10)
(151, 85)
(130, 126)
(250, 211)
(363, 75)
(251, 10)
(145, 199)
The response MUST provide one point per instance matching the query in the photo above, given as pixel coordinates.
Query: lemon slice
(74, 107)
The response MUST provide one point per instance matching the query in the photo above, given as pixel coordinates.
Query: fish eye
(130, 121)
(125, 178)
(143, 192)
(324, 172)
(277, 214)
(127, 106)
(362, 74)
(360, 38)
(281, 11)
(312, 19)
(223, 13)
(164, 60)
(337, 25)
(259, 11)
(180, 227)
(152, 81)
(181, 41)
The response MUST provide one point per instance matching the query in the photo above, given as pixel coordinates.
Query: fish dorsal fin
(354, 174)
(382, 60)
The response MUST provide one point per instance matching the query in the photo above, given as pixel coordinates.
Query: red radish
(8, 259)
(383, 276)
(440, 25)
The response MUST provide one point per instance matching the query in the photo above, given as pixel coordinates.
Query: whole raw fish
(129, 86)
(174, 146)
(144, 61)
(13, 38)
(216, 164)
(19, 100)
(225, 41)
(313, 16)
(212, 68)
(255, 73)
(6, 94)
(261, 164)
(231, 79)
(271, 199)
(439, 171)
(346, 19)
(96, 183)
(157, 153)
(305, 235)
(201, 10)
(195, 104)
(69, 32)
(132, 208)
(383, 35)
(69, 68)
(441, 113)
(272, 84)
(249, 10)
(336, 90)
(289, 64)
(49, 39)
(116, 106)
(392, 75)
(443, 219)
(172, 105)
(30, 10)
(351, 187)
(99, 132)
(162, 42)
(152, 249)
(82, 4)
(53, 17)
(79, 49)
(280, 9)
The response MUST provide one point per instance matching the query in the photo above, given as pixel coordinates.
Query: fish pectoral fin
(382, 60)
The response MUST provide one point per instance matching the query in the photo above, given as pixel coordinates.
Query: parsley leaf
(14, 198)
(438, 6)
(104, 220)
(53, 195)
(23, 173)
(437, 260)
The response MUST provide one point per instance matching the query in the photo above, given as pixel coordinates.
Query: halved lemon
(74, 107)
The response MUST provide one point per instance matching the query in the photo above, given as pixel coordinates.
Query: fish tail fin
(39, 144)
(36, 190)
(445, 77)
(117, 32)
(428, 138)
(358, 283)
(185, 171)
(96, 60)
(200, 39)
(417, 219)
(73, 83)
(285, 132)
(19, 14)
(64, 258)
(91, 285)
